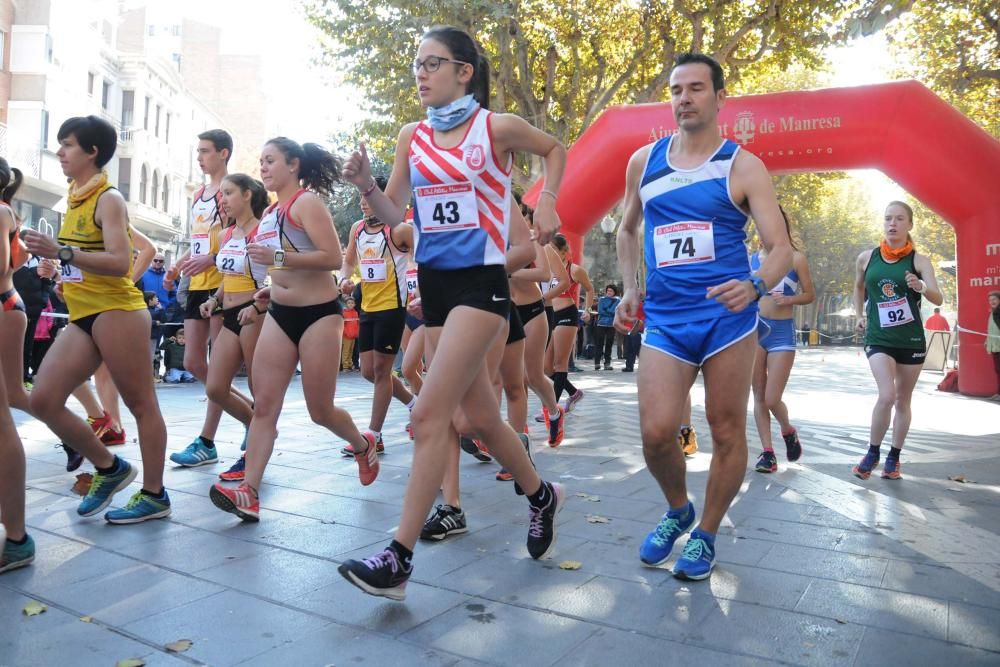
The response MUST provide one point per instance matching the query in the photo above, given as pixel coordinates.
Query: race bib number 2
(447, 208)
(683, 243)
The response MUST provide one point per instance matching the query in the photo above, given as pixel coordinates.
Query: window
(105, 94)
(90, 83)
(156, 130)
(125, 177)
(45, 129)
(166, 132)
(128, 102)
(145, 115)
(166, 194)
(143, 177)
(154, 195)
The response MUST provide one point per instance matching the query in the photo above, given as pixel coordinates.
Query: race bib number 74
(683, 243)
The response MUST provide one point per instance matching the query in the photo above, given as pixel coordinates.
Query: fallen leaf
(178, 646)
(34, 608)
(87, 619)
(587, 496)
(570, 565)
(594, 518)
(961, 479)
(82, 484)
(840, 621)
(131, 662)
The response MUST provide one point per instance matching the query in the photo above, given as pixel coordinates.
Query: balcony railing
(26, 156)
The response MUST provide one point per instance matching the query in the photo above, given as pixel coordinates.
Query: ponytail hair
(319, 170)
(10, 180)
(560, 243)
(909, 212)
(258, 193)
(788, 228)
(463, 48)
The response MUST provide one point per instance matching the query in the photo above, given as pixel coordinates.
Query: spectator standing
(937, 322)
(157, 316)
(352, 328)
(153, 281)
(604, 332)
(633, 341)
(993, 336)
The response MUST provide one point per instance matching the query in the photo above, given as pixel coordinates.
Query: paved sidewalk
(815, 566)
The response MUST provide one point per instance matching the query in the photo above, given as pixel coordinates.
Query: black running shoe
(542, 525)
(74, 459)
(445, 521)
(470, 446)
(381, 575)
(527, 447)
(793, 448)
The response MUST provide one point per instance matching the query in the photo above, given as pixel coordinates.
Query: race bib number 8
(683, 243)
(894, 313)
(200, 245)
(447, 208)
(373, 270)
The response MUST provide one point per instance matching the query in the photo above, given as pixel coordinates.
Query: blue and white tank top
(789, 285)
(695, 235)
(461, 196)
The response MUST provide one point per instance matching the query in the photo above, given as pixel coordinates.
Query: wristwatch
(759, 286)
(65, 254)
(279, 258)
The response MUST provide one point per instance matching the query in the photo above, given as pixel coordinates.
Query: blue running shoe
(656, 548)
(698, 558)
(196, 454)
(141, 507)
(17, 555)
(864, 469)
(104, 487)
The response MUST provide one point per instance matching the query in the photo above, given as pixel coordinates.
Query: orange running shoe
(555, 426)
(241, 501)
(368, 460)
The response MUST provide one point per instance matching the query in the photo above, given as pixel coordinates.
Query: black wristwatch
(759, 286)
(65, 254)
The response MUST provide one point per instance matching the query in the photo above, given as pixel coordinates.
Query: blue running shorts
(694, 342)
(776, 335)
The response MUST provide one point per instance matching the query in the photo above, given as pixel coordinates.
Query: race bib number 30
(373, 270)
(71, 273)
(447, 208)
(683, 243)
(200, 246)
(894, 313)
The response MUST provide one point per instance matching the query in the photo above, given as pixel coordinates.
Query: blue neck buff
(452, 115)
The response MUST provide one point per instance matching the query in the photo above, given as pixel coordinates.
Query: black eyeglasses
(433, 63)
(158, 261)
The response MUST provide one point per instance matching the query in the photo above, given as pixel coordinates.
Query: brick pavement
(815, 566)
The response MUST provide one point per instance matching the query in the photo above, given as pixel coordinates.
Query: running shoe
(608, 367)
(112, 437)
(526, 441)
(348, 450)
(237, 472)
(891, 469)
(573, 400)
(141, 507)
(766, 462)
(504, 475)
(540, 417)
(74, 459)
(555, 426)
(382, 575)
(864, 469)
(28, 385)
(688, 440)
(99, 424)
(474, 447)
(104, 487)
(542, 522)
(656, 548)
(17, 555)
(698, 558)
(793, 448)
(368, 460)
(196, 454)
(241, 501)
(445, 521)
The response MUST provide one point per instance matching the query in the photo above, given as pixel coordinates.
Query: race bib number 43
(447, 208)
(683, 243)
(894, 313)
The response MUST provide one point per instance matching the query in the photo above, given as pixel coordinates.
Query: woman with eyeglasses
(457, 166)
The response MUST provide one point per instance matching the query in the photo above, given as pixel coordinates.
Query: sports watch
(759, 286)
(65, 254)
(279, 258)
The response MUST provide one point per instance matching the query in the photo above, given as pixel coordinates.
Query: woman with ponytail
(456, 166)
(244, 200)
(297, 239)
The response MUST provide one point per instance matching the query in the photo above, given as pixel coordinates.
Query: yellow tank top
(206, 223)
(239, 273)
(90, 293)
(383, 269)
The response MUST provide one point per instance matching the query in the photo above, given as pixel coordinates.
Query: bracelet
(923, 288)
(554, 196)
(370, 189)
(259, 312)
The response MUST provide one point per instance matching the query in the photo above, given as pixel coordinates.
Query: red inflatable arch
(900, 128)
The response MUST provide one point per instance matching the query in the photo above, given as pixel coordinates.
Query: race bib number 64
(679, 243)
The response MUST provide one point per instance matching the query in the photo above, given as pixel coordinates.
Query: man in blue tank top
(694, 191)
